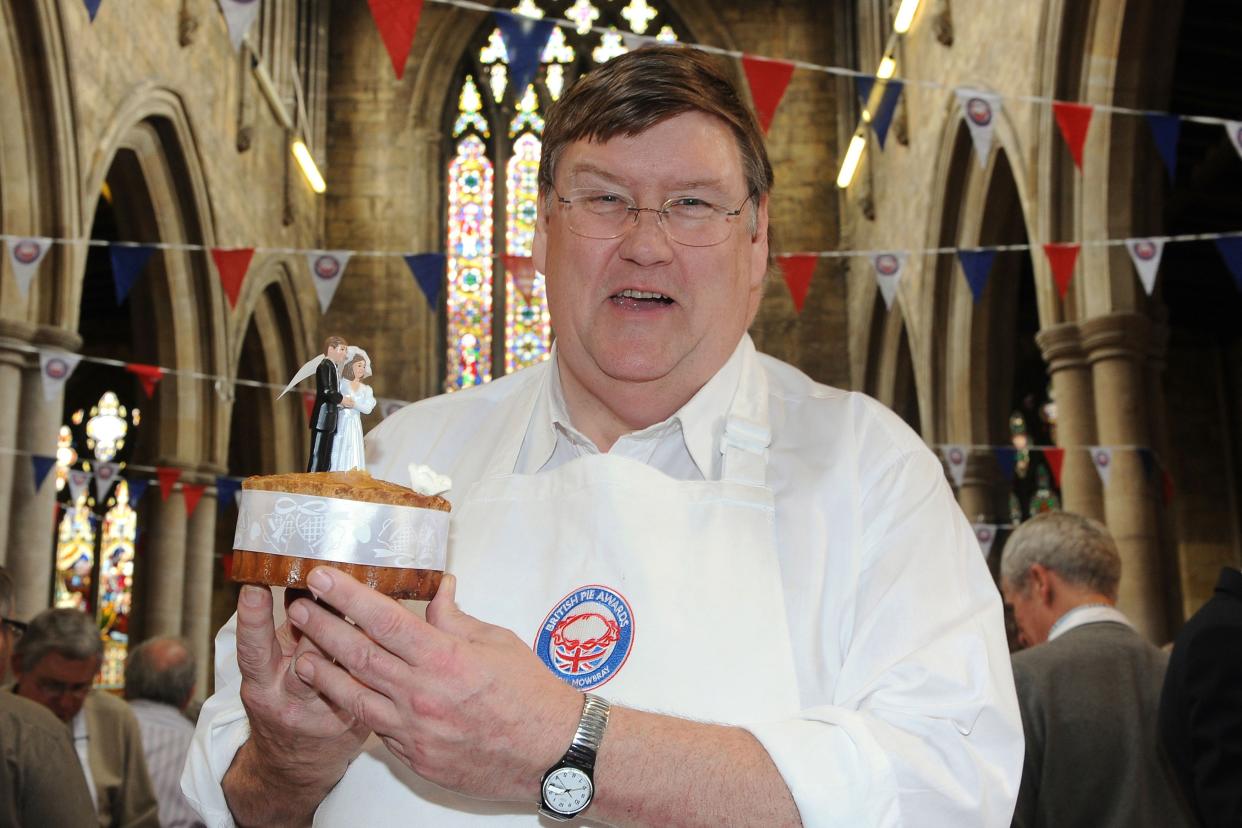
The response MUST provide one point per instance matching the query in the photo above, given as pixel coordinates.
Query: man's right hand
(300, 745)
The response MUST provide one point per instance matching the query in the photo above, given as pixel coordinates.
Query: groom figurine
(327, 398)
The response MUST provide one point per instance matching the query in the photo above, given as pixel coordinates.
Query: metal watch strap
(590, 732)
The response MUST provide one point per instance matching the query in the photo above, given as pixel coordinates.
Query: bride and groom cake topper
(341, 398)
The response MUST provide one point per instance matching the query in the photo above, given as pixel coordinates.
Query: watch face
(567, 790)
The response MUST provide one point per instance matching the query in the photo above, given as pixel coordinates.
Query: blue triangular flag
(137, 488)
(226, 492)
(1006, 458)
(1165, 129)
(92, 8)
(1231, 251)
(976, 264)
(42, 465)
(525, 39)
(127, 263)
(428, 270)
(883, 115)
(1149, 462)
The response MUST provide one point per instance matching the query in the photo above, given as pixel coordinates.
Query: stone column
(199, 574)
(1116, 346)
(164, 569)
(1062, 350)
(14, 357)
(31, 557)
(977, 494)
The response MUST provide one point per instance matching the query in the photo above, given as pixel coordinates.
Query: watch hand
(556, 789)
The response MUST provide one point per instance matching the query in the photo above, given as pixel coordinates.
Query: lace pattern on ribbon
(345, 531)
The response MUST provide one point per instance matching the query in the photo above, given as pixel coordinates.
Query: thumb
(443, 610)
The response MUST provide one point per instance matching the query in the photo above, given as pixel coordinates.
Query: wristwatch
(569, 786)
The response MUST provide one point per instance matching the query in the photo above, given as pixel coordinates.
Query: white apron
(655, 593)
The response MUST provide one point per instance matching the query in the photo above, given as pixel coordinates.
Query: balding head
(161, 670)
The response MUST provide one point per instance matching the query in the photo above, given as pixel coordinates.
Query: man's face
(1032, 617)
(336, 353)
(708, 294)
(60, 684)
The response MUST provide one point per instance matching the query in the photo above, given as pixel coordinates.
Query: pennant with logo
(239, 16)
(1102, 456)
(226, 492)
(980, 109)
(389, 407)
(308, 402)
(768, 81)
(1230, 249)
(1073, 120)
(525, 38)
(24, 256)
(1006, 458)
(1061, 258)
(92, 8)
(985, 534)
(192, 493)
(232, 266)
(1234, 129)
(1146, 253)
(955, 457)
(105, 476)
(428, 270)
(976, 265)
(137, 488)
(78, 481)
(888, 267)
(798, 270)
(1165, 130)
(168, 477)
(521, 269)
(41, 465)
(148, 375)
(56, 367)
(882, 117)
(1056, 459)
(127, 263)
(327, 267)
(397, 21)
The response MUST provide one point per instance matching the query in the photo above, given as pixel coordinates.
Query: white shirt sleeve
(923, 727)
(364, 400)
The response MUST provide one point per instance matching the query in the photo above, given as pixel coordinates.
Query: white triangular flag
(105, 476)
(25, 255)
(78, 481)
(327, 267)
(56, 367)
(888, 267)
(1102, 456)
(633, 41)
(985, 534)
(239, 15)
(1234, 128)
(1146, 253)
(980, 109)
(956, 458)
(387, 406)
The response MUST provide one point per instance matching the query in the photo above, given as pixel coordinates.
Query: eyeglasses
(600, 214)
(55, 689)
(18, 628)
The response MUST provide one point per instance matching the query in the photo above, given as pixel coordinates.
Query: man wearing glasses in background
(41, 782)
(55, 663)
(656, 519)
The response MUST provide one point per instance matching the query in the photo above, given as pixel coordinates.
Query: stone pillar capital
(1061, 346)
(1116, 336)
(17, 329)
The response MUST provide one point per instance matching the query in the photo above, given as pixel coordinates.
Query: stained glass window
(492, 180)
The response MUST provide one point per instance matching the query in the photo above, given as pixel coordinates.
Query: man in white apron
(692, 587)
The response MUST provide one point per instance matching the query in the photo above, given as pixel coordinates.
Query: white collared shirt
(1087, 614)
(81, 746)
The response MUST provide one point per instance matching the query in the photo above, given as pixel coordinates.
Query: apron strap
(747, 435)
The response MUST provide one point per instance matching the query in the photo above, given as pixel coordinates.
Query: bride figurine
(357, 399)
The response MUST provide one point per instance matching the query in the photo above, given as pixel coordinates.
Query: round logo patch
(57, 368)
(326, 267)
(1145, 250)
(887, 264)
(587, 636)
(26, 251)
(979, 111)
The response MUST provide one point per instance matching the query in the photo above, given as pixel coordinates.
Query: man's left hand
(464, 704)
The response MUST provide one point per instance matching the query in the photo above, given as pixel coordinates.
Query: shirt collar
(1087, 614)
(701, 419)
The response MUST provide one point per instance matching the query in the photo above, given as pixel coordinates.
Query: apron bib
(658, 594)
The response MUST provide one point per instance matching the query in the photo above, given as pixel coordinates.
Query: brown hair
(333, 341)
(347, 370)
(634, 92)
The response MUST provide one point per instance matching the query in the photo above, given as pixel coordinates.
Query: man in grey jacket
(1088, 685)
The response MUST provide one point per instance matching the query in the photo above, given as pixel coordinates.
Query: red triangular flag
(521, 270)
(308, 400)
(232, 265)
(148, 375)
(168, 477)
(397, 20)
(1062, 257)
(1073, 119)
(1055, 457)
(192, 492)
(798, 270)
(768, 79)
